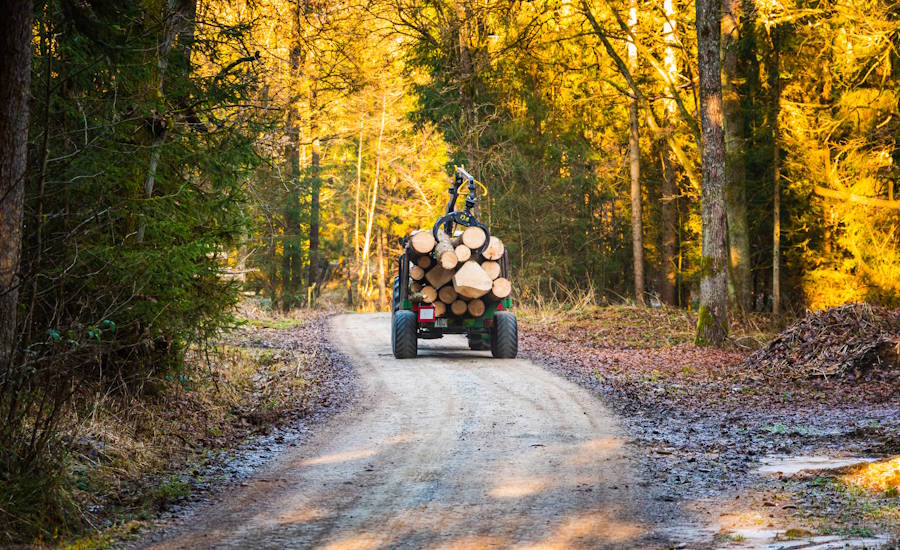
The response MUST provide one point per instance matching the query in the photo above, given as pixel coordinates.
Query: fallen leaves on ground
(648, 355)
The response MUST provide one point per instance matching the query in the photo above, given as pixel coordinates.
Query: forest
(164, 160)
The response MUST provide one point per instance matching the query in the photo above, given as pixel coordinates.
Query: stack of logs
(454, 274)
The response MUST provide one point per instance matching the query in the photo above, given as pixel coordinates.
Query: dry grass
(128, 450)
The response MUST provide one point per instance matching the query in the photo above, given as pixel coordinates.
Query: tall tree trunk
(314, 192)
(382, 291)
(15, 81)
(291, 261)
(775, 86)
(667, 230)
(735, 160)
(364, 266)
(669, 196)
(712, 325)
(179, 17)
(356, 207)
(634, 166)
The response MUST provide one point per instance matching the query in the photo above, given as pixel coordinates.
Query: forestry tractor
(454, 279)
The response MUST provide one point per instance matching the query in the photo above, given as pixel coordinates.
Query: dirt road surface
(453, 449)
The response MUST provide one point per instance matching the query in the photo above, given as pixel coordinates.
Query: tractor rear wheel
(505, 336)
(403, 334)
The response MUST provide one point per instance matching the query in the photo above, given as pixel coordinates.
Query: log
(494, 250)
(416, 272)
(415, 287)
(429, 294)
(473, 237)
(476, 308)
(459, 308)
(463, 253)
(501, 288)
(424, 262)
(444, 253)
(471, 281)
(440, 309)
(492, 268)
(447, 294)
(421, 241)
(437, 276)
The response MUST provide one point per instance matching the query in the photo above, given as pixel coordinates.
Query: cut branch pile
(454, 274)
(836, 342)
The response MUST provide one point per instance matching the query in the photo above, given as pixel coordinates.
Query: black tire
(403, 334)
(505, 336)
(478, 343)
(395, 296)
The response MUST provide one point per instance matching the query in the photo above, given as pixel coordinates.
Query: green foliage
(138, 154)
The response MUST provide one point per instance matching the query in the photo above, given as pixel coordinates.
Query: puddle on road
(790, 465)
(766, 539)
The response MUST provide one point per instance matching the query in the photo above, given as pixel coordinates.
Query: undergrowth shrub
(134, 191)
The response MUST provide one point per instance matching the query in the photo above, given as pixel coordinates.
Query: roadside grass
(836, 505)
(133, 453)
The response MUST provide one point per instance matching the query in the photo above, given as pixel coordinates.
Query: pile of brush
(838, 342)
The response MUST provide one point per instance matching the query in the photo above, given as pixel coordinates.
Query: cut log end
(476, 308)
(449, 260)
(437, 276)
(429, 294)
(422, 241)
(492, 268)
(501, 288)
(416, 272)
(494, 250)
(424, 262)
(473, 237)
(471, 281)
(444, 252)
(459, 307)
(440, 309)
(447, 294)
(463, 253)
(415, 287)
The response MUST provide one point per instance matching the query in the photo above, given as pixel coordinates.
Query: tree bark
(179, 16)
(15, 82)
(735, 161)
(634, 168)
(667, 273)
(356, 206)
(315, 189)
(712, 325)
(444, 252)
(370, 216)
(667, 231)
(291, 262)
(382, 290)
(775, 86)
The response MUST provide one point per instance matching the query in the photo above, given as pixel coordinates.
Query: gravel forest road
(453, 449)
